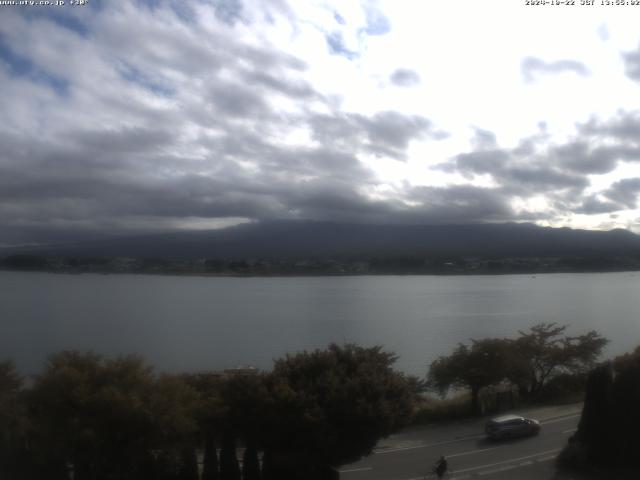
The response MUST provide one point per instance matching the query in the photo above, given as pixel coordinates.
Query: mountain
(305, 239)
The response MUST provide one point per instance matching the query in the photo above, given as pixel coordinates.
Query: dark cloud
(238, 101)
(196, 122)
(541, 178)
(212, 148)
(512, 171)
(593, 206)
(560, 171)
(624, 192)
(625, 126)
(578, 156)
(386, 134)
(404, 77)
(600, 145)
(478, 162)
(532, 67)
(390, 132)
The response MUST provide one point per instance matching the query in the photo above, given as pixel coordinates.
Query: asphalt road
(411, 453)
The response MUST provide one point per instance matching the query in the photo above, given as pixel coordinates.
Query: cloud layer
(138, 116)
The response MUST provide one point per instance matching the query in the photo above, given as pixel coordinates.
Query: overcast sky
(124, 117)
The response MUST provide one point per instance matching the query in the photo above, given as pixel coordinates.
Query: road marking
(546, 459)
(571, 430)
(427, 445)
(512, 460)
(466, 437)
(363, 469)
(456, 474)
(471, 452)
(562, 419)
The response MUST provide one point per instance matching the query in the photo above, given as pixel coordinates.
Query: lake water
(199, 323)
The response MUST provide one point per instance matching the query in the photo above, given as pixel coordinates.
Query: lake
(182, 323)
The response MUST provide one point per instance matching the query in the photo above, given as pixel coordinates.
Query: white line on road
(561, 419)
(512, 460)
(460, 474)
(427, 445)
(471, 452)
(462, 439)
(363, 469)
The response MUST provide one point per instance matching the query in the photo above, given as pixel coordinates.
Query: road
(410, 453)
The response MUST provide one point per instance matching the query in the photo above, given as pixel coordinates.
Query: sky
(125, 117)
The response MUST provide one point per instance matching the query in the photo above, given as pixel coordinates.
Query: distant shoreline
(322, 275)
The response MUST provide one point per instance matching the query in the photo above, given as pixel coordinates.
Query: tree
(210, 460)
(330, 407)
(14, 461)
(543, 352)
(229, 467)
(479, 365)
(607, 434)
(106, 416)
(250, 463)
(188, 464)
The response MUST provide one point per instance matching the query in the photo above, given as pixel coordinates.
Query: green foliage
(250, 463)
(483, 363)
(105, 416)
(210, 460)
(538, 355)
(563, 388)
(117, 419)
(13, 423)
(188, 464)
(229, 467)
(543, 352)
(330, 407)
(607, 435)
(209, 409)
(243, 398)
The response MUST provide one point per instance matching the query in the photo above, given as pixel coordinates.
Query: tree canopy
(527, 361)
(607, 434)
(479, 365)
(330, 407)
(106, 417)
(543, 351)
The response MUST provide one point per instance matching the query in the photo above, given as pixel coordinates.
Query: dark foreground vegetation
(116, 419)
(607, 442)
(86, 417)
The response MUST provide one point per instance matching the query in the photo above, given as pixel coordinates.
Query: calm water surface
(195, 323)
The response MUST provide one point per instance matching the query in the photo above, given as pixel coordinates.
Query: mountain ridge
(307, 239)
